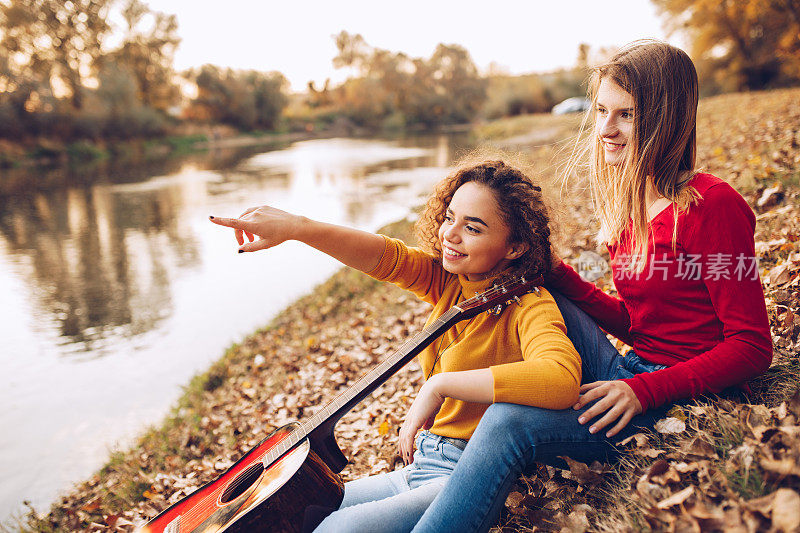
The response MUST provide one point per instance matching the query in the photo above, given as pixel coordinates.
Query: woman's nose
(608, 127)
(451, 234)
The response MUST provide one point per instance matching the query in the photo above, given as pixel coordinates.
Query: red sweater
(700, 310)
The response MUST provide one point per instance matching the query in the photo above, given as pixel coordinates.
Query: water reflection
(111, 290)
(99, 261)
(103, 257)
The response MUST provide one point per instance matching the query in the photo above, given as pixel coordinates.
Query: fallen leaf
(782, 467)
(779, 274)
(91, 506)
(701, 447)
(658, 468)
(583, 474)
(640, 439)
(677, 498)
(513, 502)
(670, 425)
(652, 453)
(786, 511)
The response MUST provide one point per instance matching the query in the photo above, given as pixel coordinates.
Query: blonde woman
(690, 300)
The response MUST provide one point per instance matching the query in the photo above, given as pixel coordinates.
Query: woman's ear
(516, 250)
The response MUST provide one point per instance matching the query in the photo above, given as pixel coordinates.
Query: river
(115, 294)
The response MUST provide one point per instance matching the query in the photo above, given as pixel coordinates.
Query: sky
(295, 37)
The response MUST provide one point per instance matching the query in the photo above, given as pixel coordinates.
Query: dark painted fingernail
(241, 251)
(211, 217)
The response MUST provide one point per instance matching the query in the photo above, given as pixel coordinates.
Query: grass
(505, 128)
(184, 144)
(83, 151)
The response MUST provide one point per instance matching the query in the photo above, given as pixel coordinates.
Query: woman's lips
(452, 254)
(612, 147)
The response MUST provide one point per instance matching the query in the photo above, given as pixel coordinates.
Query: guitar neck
(383, 371)
(336, 408)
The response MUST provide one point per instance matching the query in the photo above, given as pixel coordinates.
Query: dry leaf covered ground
(716, 466)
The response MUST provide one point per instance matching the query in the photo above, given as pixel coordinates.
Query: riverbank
(730, 456)
(49, 152)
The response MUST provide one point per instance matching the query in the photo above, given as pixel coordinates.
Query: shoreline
(52, 152)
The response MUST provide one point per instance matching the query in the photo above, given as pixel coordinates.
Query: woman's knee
(512, 420)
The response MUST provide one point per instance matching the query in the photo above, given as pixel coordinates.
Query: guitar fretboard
(365, 384)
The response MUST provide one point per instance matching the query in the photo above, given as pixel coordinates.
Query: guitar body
(293, 493)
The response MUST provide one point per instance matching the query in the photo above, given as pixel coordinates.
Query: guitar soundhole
(242, 482)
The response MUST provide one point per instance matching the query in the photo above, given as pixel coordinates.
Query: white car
(576, 104)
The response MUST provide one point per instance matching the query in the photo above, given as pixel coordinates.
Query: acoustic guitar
(289, 481)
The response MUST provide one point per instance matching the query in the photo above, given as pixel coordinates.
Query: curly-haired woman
(484, 222)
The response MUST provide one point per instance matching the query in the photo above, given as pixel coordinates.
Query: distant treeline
(390, 90)
(68, 73)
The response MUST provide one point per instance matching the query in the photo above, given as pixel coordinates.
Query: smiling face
(613, 120)
(473, 235)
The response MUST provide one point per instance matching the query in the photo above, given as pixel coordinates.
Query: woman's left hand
(614, 398)
(421, 414)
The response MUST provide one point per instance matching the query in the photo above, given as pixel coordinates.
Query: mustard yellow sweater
(532, 360)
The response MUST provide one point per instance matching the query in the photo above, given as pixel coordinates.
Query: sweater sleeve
(609, 312)
(549, 375)
(410, 269)
(723, 233)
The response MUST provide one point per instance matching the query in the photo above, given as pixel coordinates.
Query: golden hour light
(431, 266)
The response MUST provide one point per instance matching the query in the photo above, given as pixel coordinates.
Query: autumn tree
(752, 43)
(55, 40)
(63, 75)
(391, 86)
(245, 99)
(147, 52)
(454, 78)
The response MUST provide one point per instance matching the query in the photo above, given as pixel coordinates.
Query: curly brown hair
(521, 208)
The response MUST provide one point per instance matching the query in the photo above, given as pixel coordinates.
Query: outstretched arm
(355, 248)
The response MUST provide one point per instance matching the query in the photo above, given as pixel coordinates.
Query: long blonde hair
(661, 151)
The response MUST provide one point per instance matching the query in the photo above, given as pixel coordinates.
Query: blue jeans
(510, 438)
(394, 502)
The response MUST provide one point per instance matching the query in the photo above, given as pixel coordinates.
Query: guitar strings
(209, 499)
(355, 387)
(199, 508)
(441, 351)
(488, 294)
(377, 369)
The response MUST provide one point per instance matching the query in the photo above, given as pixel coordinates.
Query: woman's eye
(473, 229)
(627, 115)
(601, 111)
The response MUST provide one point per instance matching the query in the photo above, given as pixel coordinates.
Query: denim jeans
(510, 438)
(394, 502)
